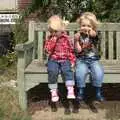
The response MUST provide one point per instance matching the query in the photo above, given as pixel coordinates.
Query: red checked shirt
(60, 48)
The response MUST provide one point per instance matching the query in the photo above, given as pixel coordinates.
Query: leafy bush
(7, 60)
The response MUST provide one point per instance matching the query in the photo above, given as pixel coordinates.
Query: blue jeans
(54, 68)
(83, 67)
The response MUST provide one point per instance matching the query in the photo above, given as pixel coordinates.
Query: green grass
(8, 73)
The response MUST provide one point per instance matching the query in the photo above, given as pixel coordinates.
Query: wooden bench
(31, 69)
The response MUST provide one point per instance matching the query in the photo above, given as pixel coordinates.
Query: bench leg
(21, 80)
(21, 90)
(23, 99)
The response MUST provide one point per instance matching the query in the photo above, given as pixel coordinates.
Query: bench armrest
(25, 53)
(24, 46)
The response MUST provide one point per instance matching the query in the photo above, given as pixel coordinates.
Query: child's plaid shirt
(60, 48)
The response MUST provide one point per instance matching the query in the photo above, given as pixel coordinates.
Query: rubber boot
(99, 96)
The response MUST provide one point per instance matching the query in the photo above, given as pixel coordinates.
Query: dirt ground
(40, 107)
(108, 110)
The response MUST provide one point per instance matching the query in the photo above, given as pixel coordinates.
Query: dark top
(92, 50)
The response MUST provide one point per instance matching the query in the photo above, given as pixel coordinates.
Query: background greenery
(105, 10)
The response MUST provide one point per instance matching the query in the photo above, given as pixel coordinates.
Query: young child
(86, 46)
(61, 57)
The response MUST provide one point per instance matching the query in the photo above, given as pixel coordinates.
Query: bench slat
(36, 67)
(102, 46)
(110, 45)
(40, 46)
(118, 44)
(75, 27)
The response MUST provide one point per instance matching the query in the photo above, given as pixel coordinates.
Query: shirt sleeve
(49, 45)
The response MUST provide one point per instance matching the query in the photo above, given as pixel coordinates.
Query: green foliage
(7, 59)
(106, 10)
(70, 9)
(20, 32)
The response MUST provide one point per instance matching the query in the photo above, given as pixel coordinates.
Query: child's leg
(97, 72)
(69, 79)
(53, 71)
(81, 73)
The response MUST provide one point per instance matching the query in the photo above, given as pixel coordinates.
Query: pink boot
(54, 95)
(71, 94)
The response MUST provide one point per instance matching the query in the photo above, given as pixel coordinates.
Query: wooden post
(21, 80)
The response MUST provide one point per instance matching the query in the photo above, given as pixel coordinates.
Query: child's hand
(85, 45)
(77, 36)
(73, 67)
(92, 32)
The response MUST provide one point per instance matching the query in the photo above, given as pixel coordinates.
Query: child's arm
(49, 44)
(77, 42)
(79, 45)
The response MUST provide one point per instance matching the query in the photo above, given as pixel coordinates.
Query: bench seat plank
(36, 74)
(36, 67)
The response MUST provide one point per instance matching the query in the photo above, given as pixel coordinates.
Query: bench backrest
(110, 40)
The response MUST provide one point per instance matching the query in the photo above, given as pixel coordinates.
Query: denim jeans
(54, 68)
(86, 66)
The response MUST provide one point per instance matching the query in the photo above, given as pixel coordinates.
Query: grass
(8, 73)
(9, 106)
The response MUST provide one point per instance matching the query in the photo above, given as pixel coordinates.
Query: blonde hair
(56, 23)
(91, 17)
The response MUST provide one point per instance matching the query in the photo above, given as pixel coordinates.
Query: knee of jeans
(99, 77)
(97, 80)
(81, 75)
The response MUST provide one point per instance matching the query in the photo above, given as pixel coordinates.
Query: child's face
(85, 26)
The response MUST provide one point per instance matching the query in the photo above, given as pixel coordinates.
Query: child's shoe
(71, 94)
(54, 95)
(99, 96)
